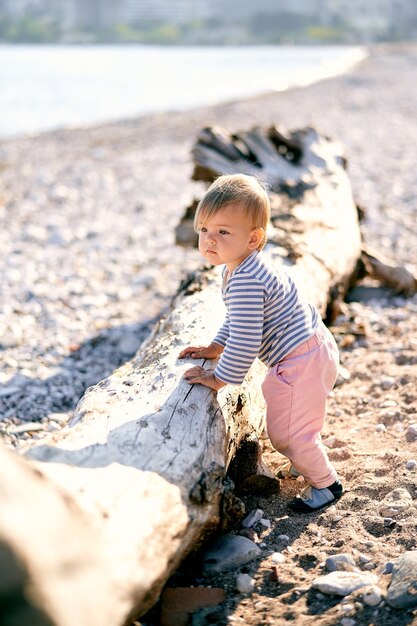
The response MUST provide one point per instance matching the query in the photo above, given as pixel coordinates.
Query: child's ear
(256, 238)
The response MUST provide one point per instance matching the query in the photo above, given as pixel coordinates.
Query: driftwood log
(288, 163)
(116, 500)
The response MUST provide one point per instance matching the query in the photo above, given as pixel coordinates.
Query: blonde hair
(247, 191)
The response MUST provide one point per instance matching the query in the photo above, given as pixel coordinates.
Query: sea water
(44, 87)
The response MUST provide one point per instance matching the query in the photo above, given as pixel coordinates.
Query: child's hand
(202, 352)
(204, 377)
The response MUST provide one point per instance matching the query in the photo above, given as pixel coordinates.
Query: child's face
(227, 238)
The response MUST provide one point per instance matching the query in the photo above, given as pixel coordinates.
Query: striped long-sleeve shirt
(266, 318)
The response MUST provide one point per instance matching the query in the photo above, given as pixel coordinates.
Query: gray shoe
(313, 499)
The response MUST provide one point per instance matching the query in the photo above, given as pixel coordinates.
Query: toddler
(267, 318)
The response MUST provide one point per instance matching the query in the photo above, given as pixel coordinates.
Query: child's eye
(223, 232)
(203, 229)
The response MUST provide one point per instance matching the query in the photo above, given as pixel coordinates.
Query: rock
(388, 567)
(244, 583)
(342, 376)
(228, 552)
(363, 558)
(343, 583)
(27, 428)
(372, 596)
(347, 621)
(284, 538)
(411, 464)
(339, 562)
(252, 519)
(380, 428)
(278, 557)
(250, 533)
(402, 592)
(265, 523)
(395, 503)
(412, 430)
(369, 566)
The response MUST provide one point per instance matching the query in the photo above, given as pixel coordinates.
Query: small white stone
(395, 503)
(278, 557)
(27, 427)
(283, 538)
(372, 596)
(262, 544)
(343, 583)
(346, 608)
(380, 428)
(244, 583)
(52, 426)
(343, 373)
(347, 621)
(411, 464)
(412, 430)
(398, 427)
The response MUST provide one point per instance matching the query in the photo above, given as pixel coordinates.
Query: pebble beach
(88, 216)
(89, 261)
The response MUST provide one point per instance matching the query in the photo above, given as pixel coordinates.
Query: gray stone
(395, 503)
(343, 583)
(402, 592)
(228, 552)
(339, 562)
(253, 518)
(244, 583)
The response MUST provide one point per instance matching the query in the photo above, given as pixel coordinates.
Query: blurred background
(68, 63)
(207, 21)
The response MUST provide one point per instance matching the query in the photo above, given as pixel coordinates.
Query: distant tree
(29, 29)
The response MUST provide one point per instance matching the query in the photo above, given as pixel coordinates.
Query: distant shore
(54, 87)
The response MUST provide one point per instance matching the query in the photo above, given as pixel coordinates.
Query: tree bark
(115, 501)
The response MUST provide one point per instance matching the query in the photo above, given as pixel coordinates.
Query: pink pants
(295, 391)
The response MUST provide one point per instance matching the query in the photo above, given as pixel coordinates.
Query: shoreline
(303, 76)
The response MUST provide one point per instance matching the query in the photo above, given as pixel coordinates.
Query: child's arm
(202, 352)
